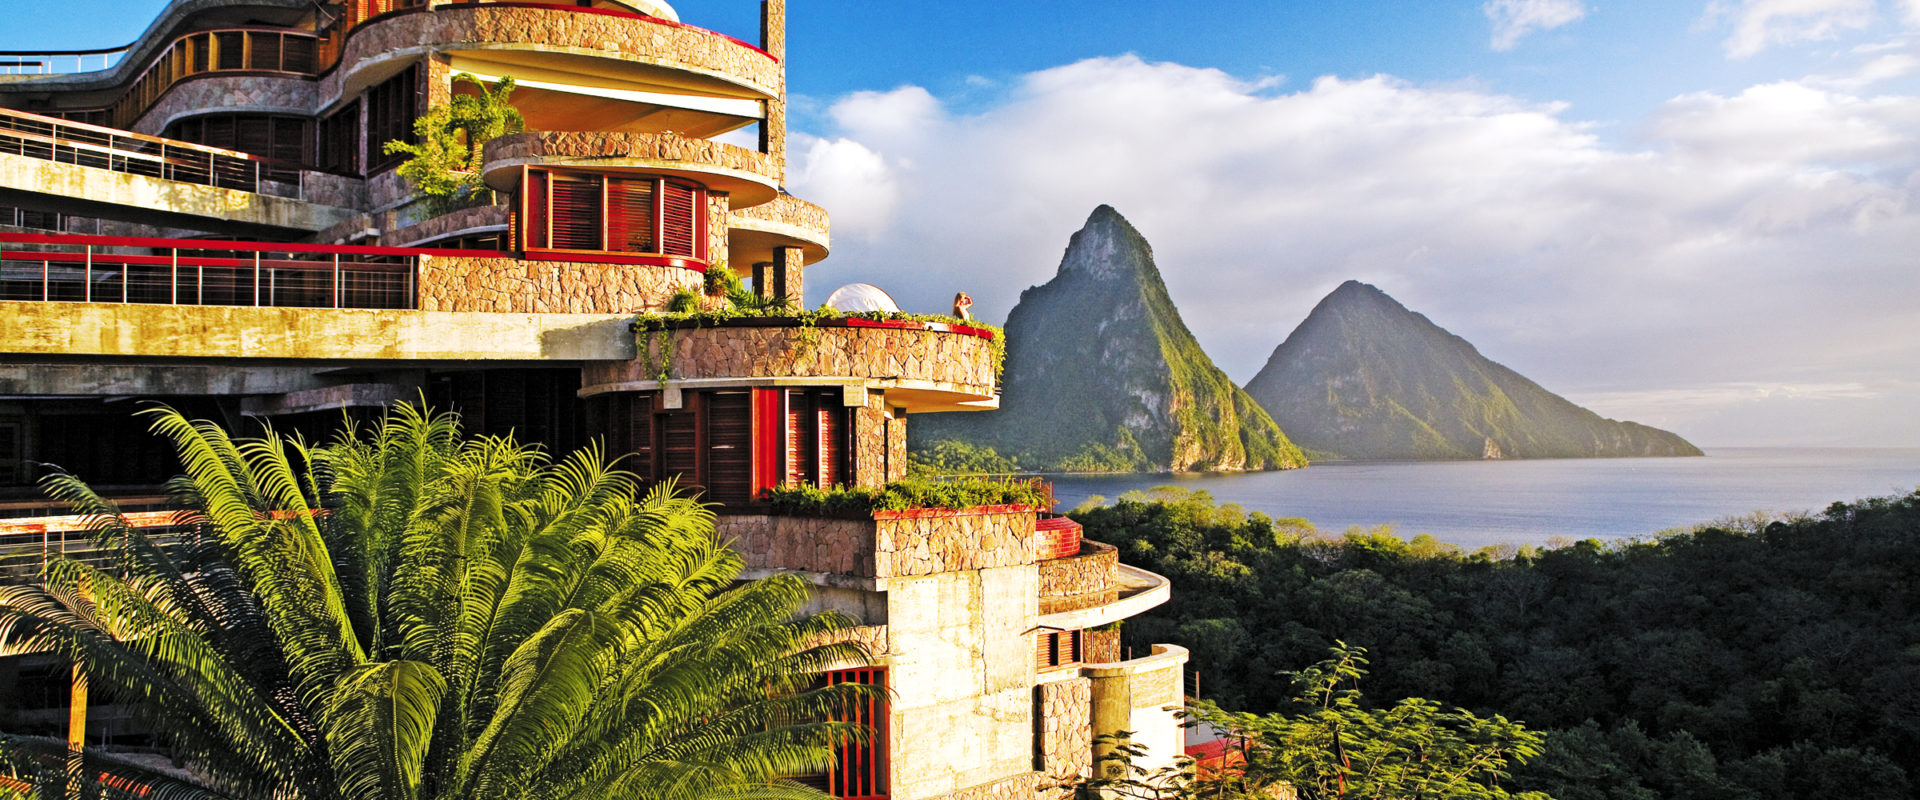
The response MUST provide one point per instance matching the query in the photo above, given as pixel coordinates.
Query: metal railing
(60, 62)
(26, 544)
(110, 269)
(60, 141)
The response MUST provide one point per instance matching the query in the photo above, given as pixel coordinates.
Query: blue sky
(1697, 214)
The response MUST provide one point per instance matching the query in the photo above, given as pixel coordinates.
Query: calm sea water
(1477, 503)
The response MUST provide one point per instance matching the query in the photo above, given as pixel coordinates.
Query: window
(391, 108)
(337, 141)
(285, 139)
(818, 432)
(1056, 650)
(731, 442)
(566, 211)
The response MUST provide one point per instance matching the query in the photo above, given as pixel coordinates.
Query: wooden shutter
(729, 421)
(802, 435)
(679, 223)
(833, 440)
(533, 191)
(297, 54)
(679, 447)
(630, 215)
(576, 212)
(1055, 650)
(769, 439)
(230, 50)
(264, 53)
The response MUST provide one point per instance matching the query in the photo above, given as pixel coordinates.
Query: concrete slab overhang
(1139, 590)
(102, 192)
(244, 332)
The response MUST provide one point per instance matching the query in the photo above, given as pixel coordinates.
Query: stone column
(763, 281)
(787, 264)
(773, 129)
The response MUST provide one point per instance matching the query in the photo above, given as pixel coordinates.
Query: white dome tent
(862, 297)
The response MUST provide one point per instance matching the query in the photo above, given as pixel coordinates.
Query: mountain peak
(1106, 247)
(1365, 377)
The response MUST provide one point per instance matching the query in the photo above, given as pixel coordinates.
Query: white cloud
(1514, 19)
(1760, 238)
(1759, 24)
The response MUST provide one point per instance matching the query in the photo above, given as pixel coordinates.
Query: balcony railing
(60, 62)
(109, 269)
(64, 142)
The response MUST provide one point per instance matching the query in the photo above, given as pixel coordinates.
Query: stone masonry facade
(894, 544)
(818, 351)
(1082, 581)
(1063, 717)
(558, 30)
(575, 146)
(510, 285)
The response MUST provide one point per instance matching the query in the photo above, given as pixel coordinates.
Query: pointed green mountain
(1364, 378)
(1102, 375)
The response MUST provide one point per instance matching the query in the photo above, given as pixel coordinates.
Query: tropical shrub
(909, 494)
(406, 613)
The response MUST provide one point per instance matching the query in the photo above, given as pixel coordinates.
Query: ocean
(1478, 503)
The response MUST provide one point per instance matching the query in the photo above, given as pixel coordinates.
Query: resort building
(210, 217)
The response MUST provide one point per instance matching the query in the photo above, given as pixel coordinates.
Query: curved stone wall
(750, 177)
(214, 93)
(1082, 581)
(787, 221)
(512, 285)
(959, 363)
(553, 29)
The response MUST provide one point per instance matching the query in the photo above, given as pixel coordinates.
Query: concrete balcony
(1135, 590)
(749, 177)
(1088, 579)
(921, 366)
(864, 553)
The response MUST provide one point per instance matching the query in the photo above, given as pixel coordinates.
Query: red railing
(112, 269)
(65, 142)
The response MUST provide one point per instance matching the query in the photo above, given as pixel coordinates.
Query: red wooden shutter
(860, 770)
(680, 203)
(769, 439)
(802, 437)
(833, 440)
(729, 447)
(535, 211)
(630, 215)
(576, 209)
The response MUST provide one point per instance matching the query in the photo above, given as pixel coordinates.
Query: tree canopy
(407, 613)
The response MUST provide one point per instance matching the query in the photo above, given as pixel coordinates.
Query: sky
(1701, 215)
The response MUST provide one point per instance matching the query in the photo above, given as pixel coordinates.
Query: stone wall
(553, 30)
(894, 544)
(1063, 714)
(719, 208)
(1082, 581)
(328, 189)
(1018, 787)
(930, 541)
(838, 352)
(870, 445)
(808, 544)
(511, 285)
(214, 93)
(1100, 646)
(447, 224)
(897, 446)
(786, 214)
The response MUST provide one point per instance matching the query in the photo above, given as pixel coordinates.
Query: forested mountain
(1746, 661)
(1102, 375)
(1364, 378)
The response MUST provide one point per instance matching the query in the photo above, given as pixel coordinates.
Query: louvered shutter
(679, 224)
(729, 447)
(265, 54)
(833, 444)
(630, 215)
(575, 203)
(802, 431)
(679, 447)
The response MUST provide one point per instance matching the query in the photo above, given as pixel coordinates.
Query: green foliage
(911, 493)
(1720, 662)
(406, 613)
(444, 160)
(955, 457)
(1329, 744)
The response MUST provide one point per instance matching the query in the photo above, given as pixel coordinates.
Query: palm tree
(406, 614)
